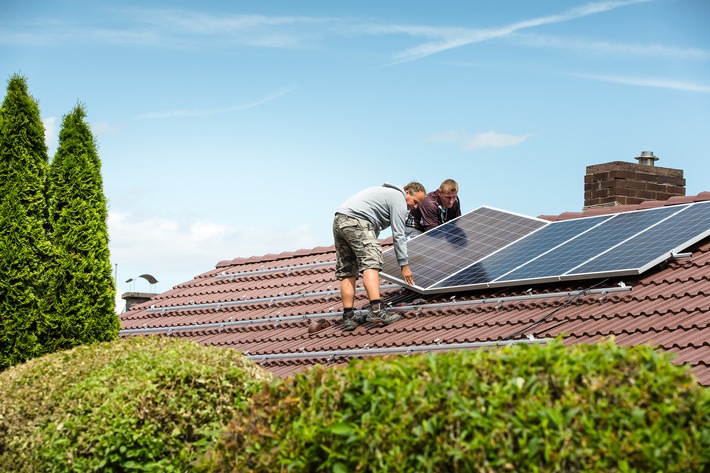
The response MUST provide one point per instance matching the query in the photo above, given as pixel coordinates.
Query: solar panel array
(493, 248)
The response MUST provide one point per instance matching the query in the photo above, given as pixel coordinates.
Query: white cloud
(248, 30)
(465, 37)
(104, 128)
(214, 111)
(175, 28)
(606, 48)
(193, 30)
(51, 135)
(651, 82)
(489, 139)
(166, 248)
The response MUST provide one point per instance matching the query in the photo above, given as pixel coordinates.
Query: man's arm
(399, 216)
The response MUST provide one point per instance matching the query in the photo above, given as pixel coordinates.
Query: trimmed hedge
(138, 404)
(523, 408)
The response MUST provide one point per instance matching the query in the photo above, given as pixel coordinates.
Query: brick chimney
(135, 298)
(622, 183)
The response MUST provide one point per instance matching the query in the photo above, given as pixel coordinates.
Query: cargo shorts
(356, 246)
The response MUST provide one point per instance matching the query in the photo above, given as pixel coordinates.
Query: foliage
(23, 152)
(24, 248)
(81, 284)
(137, 404)
(524, 408)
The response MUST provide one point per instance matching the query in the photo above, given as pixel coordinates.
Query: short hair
(449, 185)
(413, 188)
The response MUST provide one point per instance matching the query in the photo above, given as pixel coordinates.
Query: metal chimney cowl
(647, 158)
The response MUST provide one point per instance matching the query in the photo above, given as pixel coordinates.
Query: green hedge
(138, 404)
(157, 404)
(524, 408)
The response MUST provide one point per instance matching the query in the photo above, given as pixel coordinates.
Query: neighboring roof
(264, 306)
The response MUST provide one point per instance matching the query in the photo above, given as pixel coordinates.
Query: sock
(348, 312)
(375, 304)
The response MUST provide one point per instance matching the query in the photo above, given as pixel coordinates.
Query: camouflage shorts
(356, 246)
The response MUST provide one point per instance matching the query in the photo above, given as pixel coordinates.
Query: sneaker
(380, 315)
(351, 323)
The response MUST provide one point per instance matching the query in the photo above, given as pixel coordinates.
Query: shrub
(24, 247)
(523, 408)
(81, 290)
(144, 403)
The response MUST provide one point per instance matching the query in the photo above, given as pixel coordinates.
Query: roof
(284, 310)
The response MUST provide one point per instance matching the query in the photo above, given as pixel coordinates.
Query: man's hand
(407, 275)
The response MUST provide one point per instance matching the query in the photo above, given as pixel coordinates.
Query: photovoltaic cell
(687, 226)
(508, 259)
(448, 248)
(584, 247)
(494, 248)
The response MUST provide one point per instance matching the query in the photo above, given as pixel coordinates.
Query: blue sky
(235, 128)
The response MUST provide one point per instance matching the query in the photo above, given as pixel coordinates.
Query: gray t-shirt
(383, 206)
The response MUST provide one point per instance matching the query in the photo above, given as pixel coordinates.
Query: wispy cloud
(195, 30)
(225, 30)
(104, 128)
(173, 28)
(606, 48)
(214, 111)
(465, 37)
(489, 139)
(651, 82)
(189, 29)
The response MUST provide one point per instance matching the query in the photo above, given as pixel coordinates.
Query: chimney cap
(647, 158)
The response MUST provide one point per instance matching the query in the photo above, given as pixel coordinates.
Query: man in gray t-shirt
(356, 227)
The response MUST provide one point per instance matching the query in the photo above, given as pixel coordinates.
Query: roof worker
(437, 207)
(356, 227)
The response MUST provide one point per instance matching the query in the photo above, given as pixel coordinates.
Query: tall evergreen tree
(24, 248)
(81, 284)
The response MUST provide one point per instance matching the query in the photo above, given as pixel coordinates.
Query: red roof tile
(263, 306)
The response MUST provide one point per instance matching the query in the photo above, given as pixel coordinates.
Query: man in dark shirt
(438, 207)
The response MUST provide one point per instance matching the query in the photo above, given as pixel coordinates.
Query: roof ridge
(647, 204)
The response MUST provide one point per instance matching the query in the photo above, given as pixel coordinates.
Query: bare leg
(347, 291)
(371, 279)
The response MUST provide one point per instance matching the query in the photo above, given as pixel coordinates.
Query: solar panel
(586, 246)
(451, 247)
(657, 243)
(492, 248)
(514, 256)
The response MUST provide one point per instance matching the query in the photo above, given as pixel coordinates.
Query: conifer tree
(24, 248)
(81, 284)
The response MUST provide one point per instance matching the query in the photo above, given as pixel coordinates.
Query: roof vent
(647, 158)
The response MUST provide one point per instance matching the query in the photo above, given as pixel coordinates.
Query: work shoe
(378, 314)
(351, 323)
